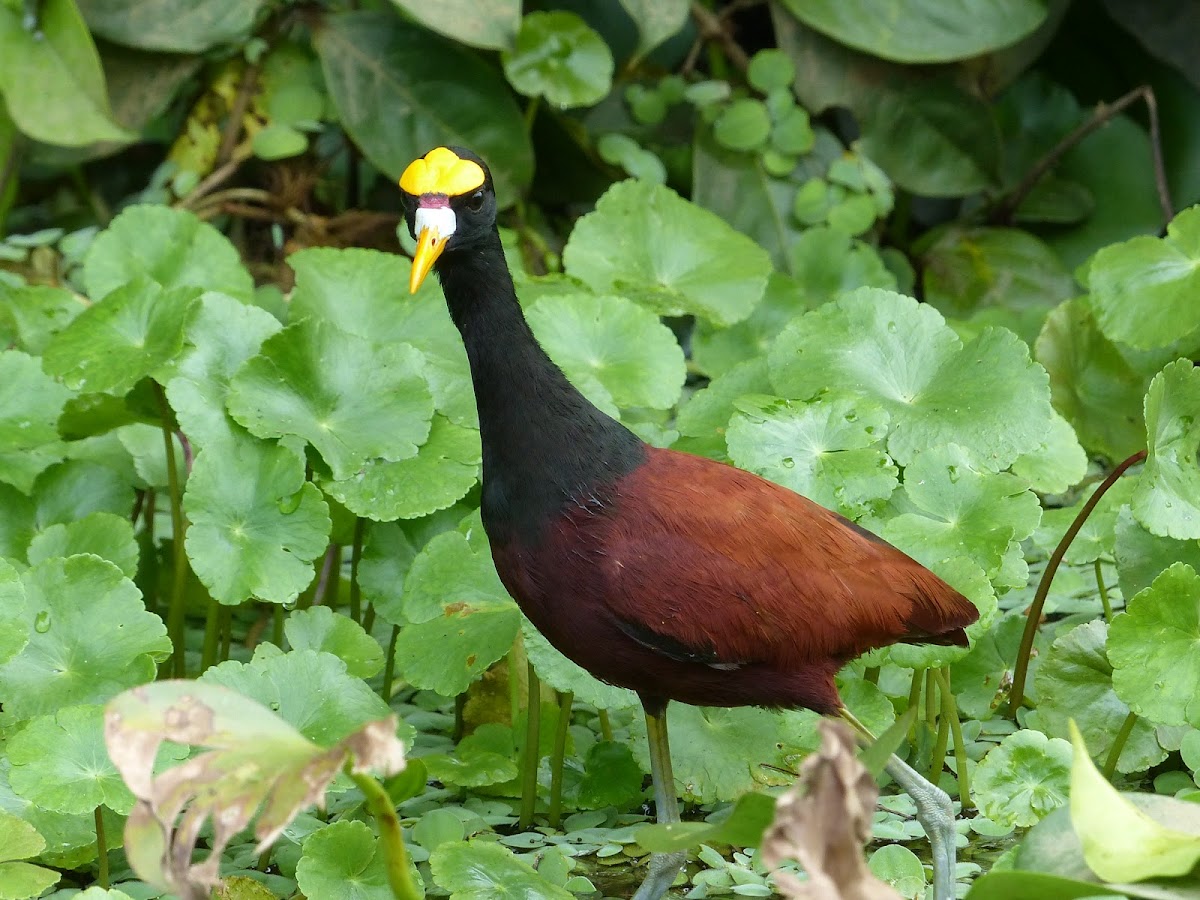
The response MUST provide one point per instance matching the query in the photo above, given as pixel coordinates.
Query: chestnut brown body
(691, 580)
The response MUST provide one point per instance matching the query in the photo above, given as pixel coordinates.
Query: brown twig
(216, 178)
(714, 28)
(1003, 212)
(237, 112)
(1034, 615)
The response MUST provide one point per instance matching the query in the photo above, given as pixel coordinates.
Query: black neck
(544, 444)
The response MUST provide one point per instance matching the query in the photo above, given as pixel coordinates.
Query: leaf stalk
(1034, 616)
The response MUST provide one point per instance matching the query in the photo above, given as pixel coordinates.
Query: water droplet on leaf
(788, 462)
(41, 623)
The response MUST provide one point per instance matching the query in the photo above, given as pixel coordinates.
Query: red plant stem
(1034, 616)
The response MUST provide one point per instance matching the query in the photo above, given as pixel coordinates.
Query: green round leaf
(320, 628)
(645, 242)
(854, 215)
(59, 762)
(824, 450)
(461, 618)
(486, 756)
(68, 659)
(345, 859)
(134, 331)
(1058, 464)
(1152, 648)
(921, 31)
(71, 490)
(899, 867)
(256, 524)
(827, 262)
(1142, 556)
(1144, 290)
(443, 471)
(479, 869)
(376, 61)
(278, 141)
(716, 350)
(1091, 383)
(1167, 499)
(742, 125)
(30, 403)
(365, 292)
(1024, 778)
(716, 753)
(100, 533)
(557, 56)
(222, 335)
(967, 269)
(954, 507)
(171, 248)
(612, 343)
(14, 626)
(1074, 683)
(297, 687)
(770, 69)
(18, 839)
(792, 133)
(351, 398)
(704, 418)
(987, 395)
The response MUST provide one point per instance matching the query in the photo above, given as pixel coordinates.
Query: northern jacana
(676, 576)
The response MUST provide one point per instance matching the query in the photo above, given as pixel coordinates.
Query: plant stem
(1034, 615)
(950, 713)
(101, 848)
(605, 725)
(368, 622)
(1104, 601)
(930, 701)
(531, 756)
(556, 760)
(460, 719)
(1003, 212)
(399, 871)
(277, 627)
(208, 655)
(531, 111)
(356, 550)
(177, 610)
(871, 674)
(914, 698)
(1114, 753)
(938, 761)
(226, 628)
(389, 668)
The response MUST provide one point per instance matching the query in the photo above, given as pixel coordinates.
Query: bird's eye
(475, 201)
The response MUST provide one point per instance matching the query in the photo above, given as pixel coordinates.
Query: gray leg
(936, 815)
(663, 866)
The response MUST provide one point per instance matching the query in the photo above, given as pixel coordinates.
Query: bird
(679, 577)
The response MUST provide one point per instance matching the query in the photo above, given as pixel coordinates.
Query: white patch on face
(438, 219)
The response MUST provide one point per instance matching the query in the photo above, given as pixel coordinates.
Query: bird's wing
(708, 563)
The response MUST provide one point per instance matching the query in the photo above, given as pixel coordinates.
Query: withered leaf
(256, 761)
(823, 823)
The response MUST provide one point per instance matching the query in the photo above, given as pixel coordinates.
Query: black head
(449, 205)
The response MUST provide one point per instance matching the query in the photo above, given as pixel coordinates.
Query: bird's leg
(934, 811)
(663, 866)
(936, 815)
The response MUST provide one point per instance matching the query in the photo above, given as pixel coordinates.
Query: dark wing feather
(716, 565)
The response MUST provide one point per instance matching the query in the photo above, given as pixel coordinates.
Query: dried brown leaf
(823, 823)
(257, 763)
